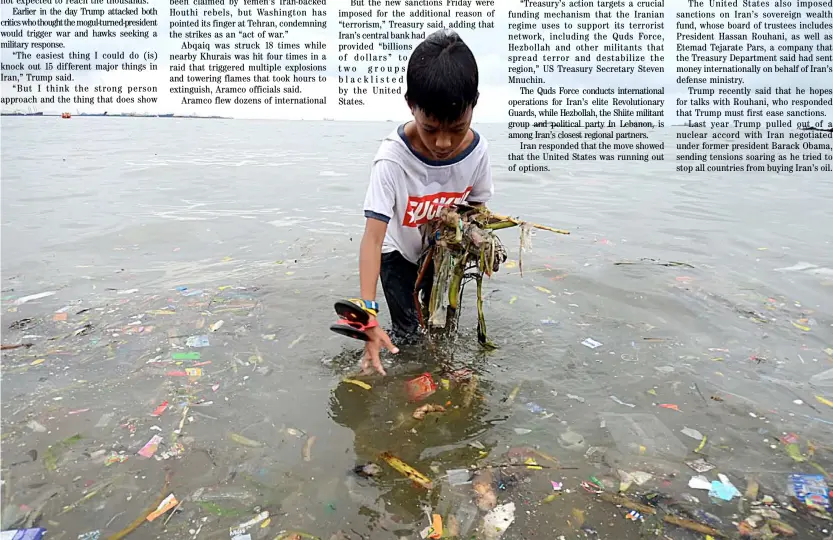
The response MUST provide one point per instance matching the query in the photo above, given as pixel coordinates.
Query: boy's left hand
(378, 339)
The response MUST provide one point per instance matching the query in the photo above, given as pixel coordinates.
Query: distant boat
(329, 120)
(66, 115)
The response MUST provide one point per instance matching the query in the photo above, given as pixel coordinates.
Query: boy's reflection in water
(381, 420)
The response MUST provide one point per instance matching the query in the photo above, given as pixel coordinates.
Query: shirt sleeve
(380, 201)
(482, 188)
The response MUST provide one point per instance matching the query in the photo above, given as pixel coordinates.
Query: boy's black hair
(442, 77)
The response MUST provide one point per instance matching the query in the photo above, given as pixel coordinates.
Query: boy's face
(441, 140)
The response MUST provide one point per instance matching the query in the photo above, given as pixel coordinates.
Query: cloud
(299, 25)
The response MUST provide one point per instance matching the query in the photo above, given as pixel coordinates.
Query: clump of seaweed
(462, 245)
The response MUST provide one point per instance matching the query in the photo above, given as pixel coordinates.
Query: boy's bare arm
(370, 257)
(370, 263)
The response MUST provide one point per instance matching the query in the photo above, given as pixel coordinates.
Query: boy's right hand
(378, 339)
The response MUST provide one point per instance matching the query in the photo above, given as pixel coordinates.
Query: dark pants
(399, 276)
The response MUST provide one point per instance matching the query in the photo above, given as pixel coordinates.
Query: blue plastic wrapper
(22, 534)
(811, 489)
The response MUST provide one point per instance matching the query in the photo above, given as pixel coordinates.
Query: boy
(431, 161)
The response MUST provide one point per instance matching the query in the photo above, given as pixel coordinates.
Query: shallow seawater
(713, 321)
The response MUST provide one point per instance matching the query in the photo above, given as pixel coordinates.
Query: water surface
(150, 231)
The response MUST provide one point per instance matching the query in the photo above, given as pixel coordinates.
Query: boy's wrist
(370, 306)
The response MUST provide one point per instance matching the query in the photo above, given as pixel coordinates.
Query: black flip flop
(353, 320)
(352, 312)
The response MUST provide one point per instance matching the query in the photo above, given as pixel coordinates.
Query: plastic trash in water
(591, 343)
(635, 477)
(370, 469)
(458, 477)
(620, 402)
(466, 516)
(693, 433)
(811, 489)
(498, 520)
(700, 465)
(699, 482)
(723, 489)
(644, 434)
(160, 409)
(197, 341)
(150, 447)
(421, 387)
(243, 527)
(114, 458)
(455, 502)
(435, 530)
(23, 534)
(167, 504)
(19, 302)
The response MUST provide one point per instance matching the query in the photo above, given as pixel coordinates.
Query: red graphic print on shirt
(423, 209)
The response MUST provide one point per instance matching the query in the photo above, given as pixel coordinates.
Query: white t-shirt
(406, 189)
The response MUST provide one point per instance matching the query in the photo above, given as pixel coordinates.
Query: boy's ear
(475, 100)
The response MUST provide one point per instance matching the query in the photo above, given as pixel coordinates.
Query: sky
(490, 47)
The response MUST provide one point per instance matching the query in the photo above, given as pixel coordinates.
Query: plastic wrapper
(420, 387)
(23, 534)
(811, 489)
(150, 447)
(498, 520)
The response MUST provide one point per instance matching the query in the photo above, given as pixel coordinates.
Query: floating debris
(406, 470)
(244, 441)
(358, 383)
(422, 410)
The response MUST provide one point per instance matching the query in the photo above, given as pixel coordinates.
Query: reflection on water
(608, 375)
